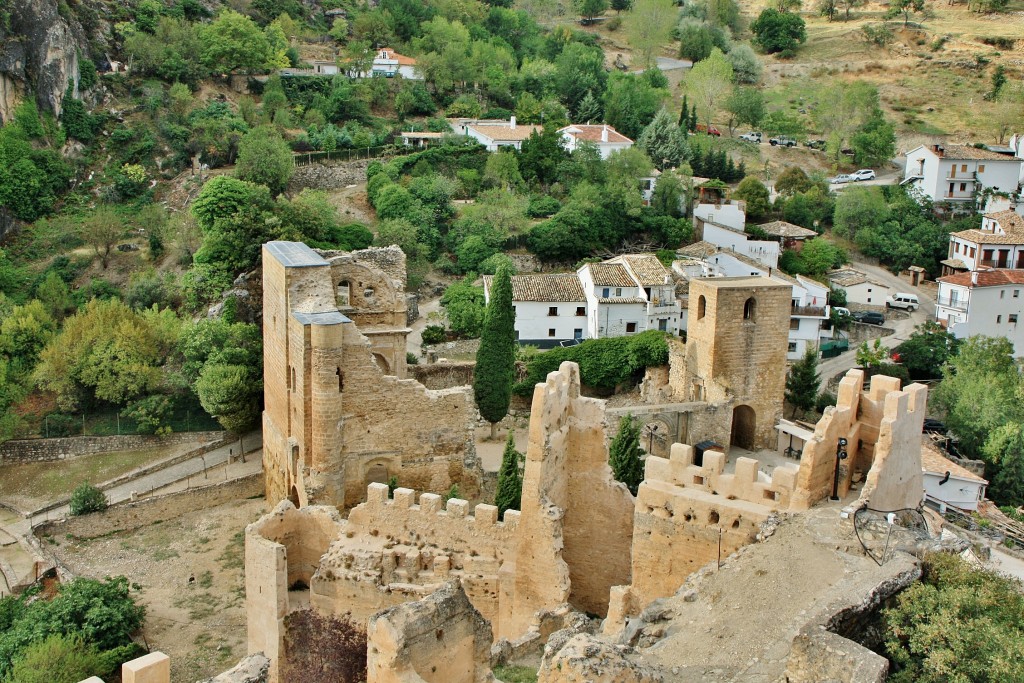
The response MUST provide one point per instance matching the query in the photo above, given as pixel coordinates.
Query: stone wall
(338, 413)
(862, 332)
(444, 375)
(439, 639)
(48, 450)
(129, 516)
(322, 176)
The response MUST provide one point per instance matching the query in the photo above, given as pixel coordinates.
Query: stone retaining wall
(444, 375)
(329, 176)
(129, 516)
(48, 450)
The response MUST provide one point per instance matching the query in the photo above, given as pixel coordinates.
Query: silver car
(863, 174)
(840, 179)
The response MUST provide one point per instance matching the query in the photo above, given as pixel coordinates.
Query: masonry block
(152, 668)
(430, 503)
(404, 498)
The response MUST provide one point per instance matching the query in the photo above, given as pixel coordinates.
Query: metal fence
(112, 423)
(307, 158)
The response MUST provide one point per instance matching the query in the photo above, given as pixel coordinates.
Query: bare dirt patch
(201, 623)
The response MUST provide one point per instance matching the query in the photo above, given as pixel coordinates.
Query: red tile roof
(986, 278)
(388, 53)
(592, 133)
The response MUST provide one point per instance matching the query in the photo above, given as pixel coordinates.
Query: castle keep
(337, 403)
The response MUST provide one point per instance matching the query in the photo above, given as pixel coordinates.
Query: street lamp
(652, 429)
(840, 455)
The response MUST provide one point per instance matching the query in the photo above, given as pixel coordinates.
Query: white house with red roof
(604, 137)
(988, 302)
(958, 173)
(998, 244)
(495, 134)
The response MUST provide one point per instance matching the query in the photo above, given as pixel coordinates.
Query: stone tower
(338, 413)
(736, 352)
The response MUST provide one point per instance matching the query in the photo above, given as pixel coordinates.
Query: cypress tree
(496, 357)
(624, 454)
(510, 480)
(803, 381)
(684, 115)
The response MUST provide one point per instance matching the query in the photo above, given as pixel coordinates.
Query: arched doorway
(655, 437)
(293, 496)
(744, 424)
(376, 473)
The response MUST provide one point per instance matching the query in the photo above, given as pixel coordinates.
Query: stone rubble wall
(65, 448)
(328, 176)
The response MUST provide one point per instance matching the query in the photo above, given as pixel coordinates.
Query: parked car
(863, 174)
(751, 137)
(708, 130)
(933, 425)
(840, 179)
(815, 144)
(841, 310)
(782, 141)
(869, 317)
(903, 300)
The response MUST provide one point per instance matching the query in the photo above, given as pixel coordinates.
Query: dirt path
(414, 342)
(201, 624)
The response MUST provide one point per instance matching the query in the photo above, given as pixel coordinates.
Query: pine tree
(624, 454)
(684, 115)
(589, 109)
(496, 357)
(509, 493)
(803, 381)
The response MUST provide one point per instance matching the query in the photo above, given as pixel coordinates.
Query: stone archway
(377, 473)
(744, 427)
(660, 440)
(293, 496)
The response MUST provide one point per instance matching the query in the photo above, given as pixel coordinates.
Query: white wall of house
(549, 322)
(990, 311)
(765, 252)
(605, 149)
(944, 179)
(962, 493)
(867, 293)
(620, 320)
(730, 214)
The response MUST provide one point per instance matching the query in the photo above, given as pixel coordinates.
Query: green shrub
(604, 363)
(60, 424)
(87, 498)
(434, 334)
(542, 207)
(411, 358)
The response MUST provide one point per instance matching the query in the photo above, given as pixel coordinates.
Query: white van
(903, 300)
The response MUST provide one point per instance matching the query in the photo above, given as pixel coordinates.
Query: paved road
(904, 328)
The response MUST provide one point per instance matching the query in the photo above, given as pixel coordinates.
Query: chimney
(513, 123)
(938, 149)
(604, 133)
(974, 277)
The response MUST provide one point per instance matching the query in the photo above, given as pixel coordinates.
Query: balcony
(966, 177)
(997, 263)
(809, 311)
(955, 304)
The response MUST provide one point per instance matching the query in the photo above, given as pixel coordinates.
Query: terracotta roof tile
(848, 277)
(610, 275)
(698, 249)
(986, 278)
(646, 267)
(592, 133)
(504, 131)
(934, 462)
(967, 152)
(388, 53)
(546, 287)
(1010, 222)
(784, 229)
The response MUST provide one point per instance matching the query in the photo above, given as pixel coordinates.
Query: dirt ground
(200, 624)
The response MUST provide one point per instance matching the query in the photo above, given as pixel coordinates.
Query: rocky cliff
(39, 49)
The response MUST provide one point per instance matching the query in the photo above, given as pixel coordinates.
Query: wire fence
(112, 423)
(307, 158)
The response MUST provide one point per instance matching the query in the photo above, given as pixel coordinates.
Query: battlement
(745, 483)
(484, 516)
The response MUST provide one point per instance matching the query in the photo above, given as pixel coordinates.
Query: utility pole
(841, 454)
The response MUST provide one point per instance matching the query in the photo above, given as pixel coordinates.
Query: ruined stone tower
(736, 353)
(338, 412)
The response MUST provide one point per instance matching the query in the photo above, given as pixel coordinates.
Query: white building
(495, 134)
(860, 288)
(550, 309)
(604, 137)
(998, 244)
(722, 225)
(809, 300)
(949, 483)
(388, 63)
(957, 173)
(988, 302)
(623, 296)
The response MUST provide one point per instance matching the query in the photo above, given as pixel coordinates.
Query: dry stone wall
(49, 450)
